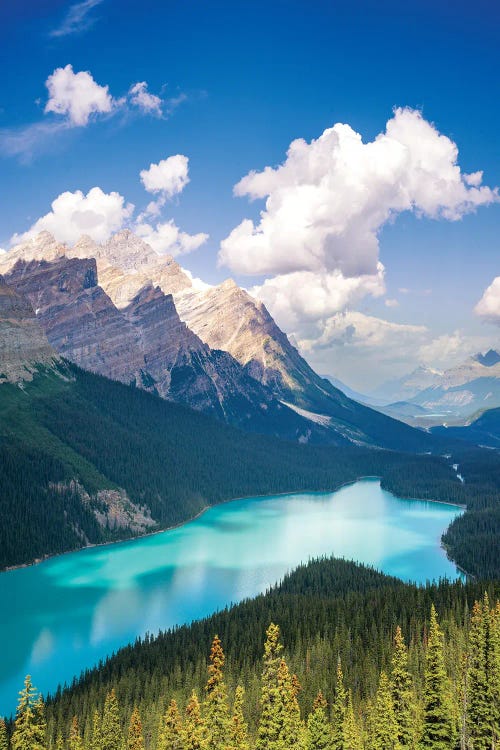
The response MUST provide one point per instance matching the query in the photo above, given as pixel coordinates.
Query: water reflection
(67, 613)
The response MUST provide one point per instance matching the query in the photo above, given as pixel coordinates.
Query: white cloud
(97, 214)
(167, 238)
(451, 349)
(328, 201)
(362, 331)
(299, 299)
(391, 303)
(77, 19)
(488, 306)
(142, 98)
(76, 95)
(169, 176)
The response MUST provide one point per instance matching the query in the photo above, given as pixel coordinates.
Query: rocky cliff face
(145, 344)
(23, 344)
(113, 308)
(78, 317)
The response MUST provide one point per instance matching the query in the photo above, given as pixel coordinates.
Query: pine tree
(4, 738)
(479, 719)
(352, 735)
(437, 724)
(338, 710)
(216, 703)
(96, 740)
(319, 732)
(494, 672)
(111, 731)
(401, 691)
(384, 724)
(291, 733)
(268, 733)
(135, 739)
(59, 742)
(29, 731)
(194, 733)
(75, 738)
(171, 729)
(239, 728)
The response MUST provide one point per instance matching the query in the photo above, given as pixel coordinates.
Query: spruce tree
(338, 710)
(437, 724)
(96, 739)
(494, 672)
(479, 719)
(75, 738)
(268, 733)
(216, 706)
(291, 732)
(111, 730)
(239, 728)
(59, 742)
(4, 738)
(384, 724)
(402, 692)
(29, 725)
(171, 730)
(352, 735)
(135, 739)
(194, 732)
(319, 732)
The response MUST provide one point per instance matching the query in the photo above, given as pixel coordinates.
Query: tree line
(445, 710)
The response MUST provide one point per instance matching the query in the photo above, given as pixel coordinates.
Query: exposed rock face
(231, 360)
(23, 344)
(78, 317)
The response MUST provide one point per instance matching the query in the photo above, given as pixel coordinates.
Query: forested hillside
(368, 662)
(86, 460)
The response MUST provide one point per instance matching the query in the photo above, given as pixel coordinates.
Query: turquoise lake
(68, 612)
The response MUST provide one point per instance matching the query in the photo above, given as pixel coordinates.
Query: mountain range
(120, 310)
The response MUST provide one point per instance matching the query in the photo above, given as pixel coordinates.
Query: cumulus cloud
(488, 306)
(327, 202)
(142, 98)
(76, 95)
(299, 299)
(97, 214)
(391, 303)
(169, 176)
(77, 19)
(167, 238)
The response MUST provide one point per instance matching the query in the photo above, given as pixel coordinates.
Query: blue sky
(238, 82)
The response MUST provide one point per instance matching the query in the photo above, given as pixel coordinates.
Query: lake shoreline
(203, 510)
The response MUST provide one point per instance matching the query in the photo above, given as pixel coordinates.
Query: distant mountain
(116, 309)
(483, 431)
(489, 359)
(406, 387)
(363, 398)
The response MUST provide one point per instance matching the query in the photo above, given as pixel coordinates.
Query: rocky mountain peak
(490, 359)
(23, 345)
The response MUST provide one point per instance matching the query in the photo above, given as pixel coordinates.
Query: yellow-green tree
(402, 692)
(319, 731)
(111, 730)
(216, 706)
(75, 741)
(384, 724)
(194, 731)
(4, 738)
(171, 729)
(29, 725)
(239, 728)
(338, 710)
(135, 738)
(352, 734)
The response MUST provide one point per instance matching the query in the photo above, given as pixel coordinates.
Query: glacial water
(68, 612)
